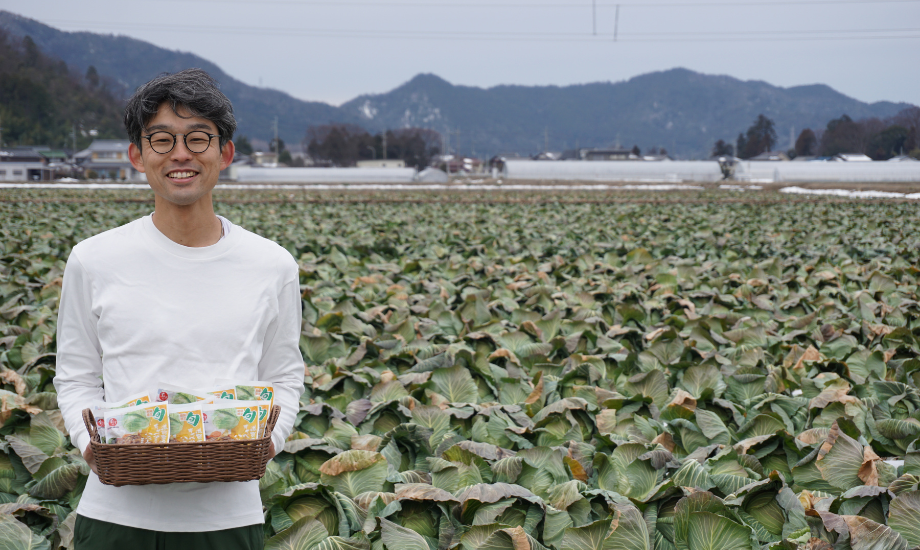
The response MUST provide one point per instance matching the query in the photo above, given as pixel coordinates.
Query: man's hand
(90, 459)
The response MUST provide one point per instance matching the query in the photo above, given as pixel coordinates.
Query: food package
(264, 408)
(133, 401)
(249, 390)
(175, 395)
(231, 420)
(100, 407)
(186, 423)
(146, 423)
(255, 390)
(222, 391)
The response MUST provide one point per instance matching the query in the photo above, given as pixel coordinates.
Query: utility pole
(545, 139)
(616, 24)
(447, 149)
(594, 16)
(1, 132)
(384, 145)
(73, 137)
(277, 143)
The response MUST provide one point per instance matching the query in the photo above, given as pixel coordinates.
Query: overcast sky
(335, 50)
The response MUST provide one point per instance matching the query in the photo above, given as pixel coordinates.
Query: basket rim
(96, 440)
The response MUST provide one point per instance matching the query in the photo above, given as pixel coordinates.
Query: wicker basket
(150, 464)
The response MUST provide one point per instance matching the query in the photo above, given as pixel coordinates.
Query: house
(264, 159)
(608, 154)
(24, 164)
(382, 163)
(107, 159)
(772, 156)
(599, 154)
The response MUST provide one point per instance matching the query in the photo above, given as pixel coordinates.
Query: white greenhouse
(632, 171)
(251, 174)
(802, 172)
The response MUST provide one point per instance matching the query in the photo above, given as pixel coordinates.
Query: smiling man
(180, 296)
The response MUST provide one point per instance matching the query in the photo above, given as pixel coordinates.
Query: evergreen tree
(806, 144)
(760, 137)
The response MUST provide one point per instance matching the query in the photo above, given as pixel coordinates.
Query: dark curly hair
(193, 89)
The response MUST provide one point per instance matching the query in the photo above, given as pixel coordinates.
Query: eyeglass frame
(176, 140)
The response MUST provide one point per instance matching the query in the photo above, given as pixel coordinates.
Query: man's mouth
(181, 174)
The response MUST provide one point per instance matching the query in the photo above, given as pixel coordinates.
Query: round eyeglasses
(163, 142)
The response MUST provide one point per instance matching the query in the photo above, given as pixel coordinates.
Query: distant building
(599, 154)
(24, 164)
(107, 159)
(264, 159)
(610, 154)
(382, 163)
(773, 156)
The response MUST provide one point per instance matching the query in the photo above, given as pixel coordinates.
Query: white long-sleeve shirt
(138, 309)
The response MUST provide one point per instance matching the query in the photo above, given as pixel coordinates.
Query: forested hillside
(43, 101)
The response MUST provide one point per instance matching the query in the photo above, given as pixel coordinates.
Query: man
(180, 296)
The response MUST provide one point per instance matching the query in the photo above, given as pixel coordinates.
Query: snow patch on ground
(849, 193)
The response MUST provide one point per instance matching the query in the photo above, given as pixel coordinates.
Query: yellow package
(186, 423)
(176, 395)
(147, 423)
(264, 409)
(231, 420)
(253, 390)
(133, 401)
(223, 391)
(249, 390)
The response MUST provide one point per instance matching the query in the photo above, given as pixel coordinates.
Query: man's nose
(180, 151)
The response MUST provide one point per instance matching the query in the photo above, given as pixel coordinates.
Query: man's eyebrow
(193, 126)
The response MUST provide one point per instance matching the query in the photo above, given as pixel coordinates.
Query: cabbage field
(674, 373)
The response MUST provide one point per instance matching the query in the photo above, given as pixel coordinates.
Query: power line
(503, 36)
(555, 5)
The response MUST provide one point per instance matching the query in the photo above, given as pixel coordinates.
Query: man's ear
(134, 155)
(226, 154)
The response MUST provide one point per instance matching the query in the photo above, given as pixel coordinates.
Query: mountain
(130, 63)
(678, 109)
(681, 110)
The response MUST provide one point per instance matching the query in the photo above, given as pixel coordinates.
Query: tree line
(346, 144)
(879, 139)
(44, 102)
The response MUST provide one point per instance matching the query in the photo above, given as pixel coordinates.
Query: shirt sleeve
(78, 378)
(282, 364)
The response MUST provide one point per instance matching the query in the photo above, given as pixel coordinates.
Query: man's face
(180, 176)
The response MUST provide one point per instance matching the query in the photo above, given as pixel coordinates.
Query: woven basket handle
(272, 419)
(90, 422)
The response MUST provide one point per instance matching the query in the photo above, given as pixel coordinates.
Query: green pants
(92, 534)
